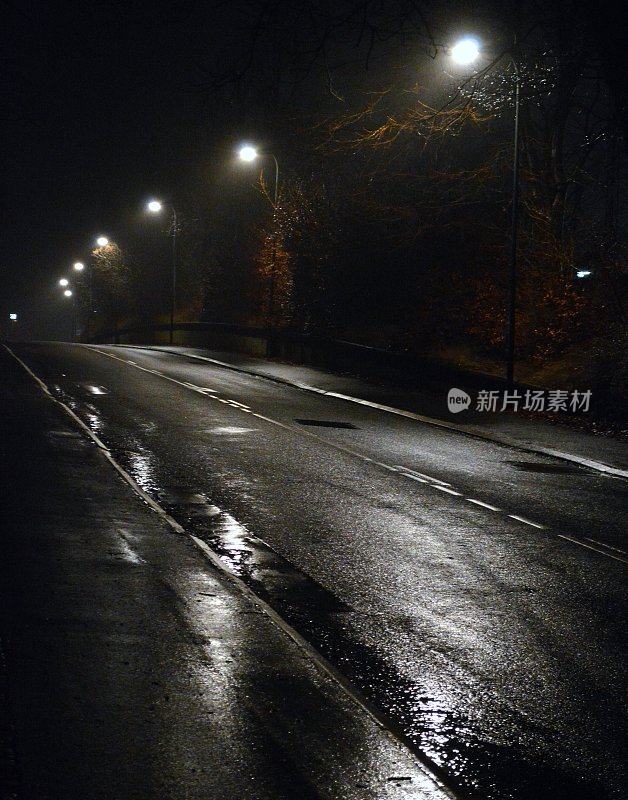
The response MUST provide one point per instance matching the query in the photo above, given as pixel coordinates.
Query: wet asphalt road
(493, 646)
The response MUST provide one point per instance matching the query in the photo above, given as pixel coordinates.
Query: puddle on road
(229, 430)
(271, 576)
(326, 423)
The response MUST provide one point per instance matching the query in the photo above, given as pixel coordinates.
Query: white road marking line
(591, 547)
(446, 489)
(408, 473)
(413, 477)
(309, 650)
(526, 521)
(480, 503)
(603, 544)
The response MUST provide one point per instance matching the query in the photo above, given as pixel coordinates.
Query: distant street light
(102, 241)
(583, 273)
(68, 293)
(13, 317)
(465, 52)
(156, 207)
(64, 282)
(78, 266)
(248, 154)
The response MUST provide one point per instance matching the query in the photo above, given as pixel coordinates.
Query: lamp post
(248, 153)
(156, 207)
(100, 242)
(70, 294)
(465, 52)
(79, 267)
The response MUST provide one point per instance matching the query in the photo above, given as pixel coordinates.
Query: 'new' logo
(457, 400)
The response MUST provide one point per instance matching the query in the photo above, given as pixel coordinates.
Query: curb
(474, 433)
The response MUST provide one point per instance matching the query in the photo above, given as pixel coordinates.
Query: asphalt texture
(134, 669)
(474, 594)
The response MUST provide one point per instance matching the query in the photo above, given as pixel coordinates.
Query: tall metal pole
(74, 325)
(90, 310)
(512, 272)
(173, 298)
(273, 263)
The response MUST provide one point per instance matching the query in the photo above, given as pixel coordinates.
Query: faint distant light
(154, 206)
(466, 51)
(102, 241)
(63, 282)
(79, 266)
(583, 273)
(13, 317)
(247, 153)
(67, 293)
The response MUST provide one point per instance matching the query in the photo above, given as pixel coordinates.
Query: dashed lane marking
(481, 503)
(446, 489)
(526, 521)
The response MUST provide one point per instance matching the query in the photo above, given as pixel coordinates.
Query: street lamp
(248, 154)
(78, 266)
(68, 293)
(465, 52)
(156, 207)
(102, 241)
(64, 282)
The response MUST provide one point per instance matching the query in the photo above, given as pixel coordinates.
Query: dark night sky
(97, 96)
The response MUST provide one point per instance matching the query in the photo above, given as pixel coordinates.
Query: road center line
(446, 489)
(526, 521)
(480, 503)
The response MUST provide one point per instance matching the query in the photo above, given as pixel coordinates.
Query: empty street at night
(313, 400)
(444, 605)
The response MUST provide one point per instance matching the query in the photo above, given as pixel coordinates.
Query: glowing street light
(68, 293)
(248, 153)
(64, 282)
(583, 273)
(13, 317)
(102, 241)
(154, 206)
(78, 266)
(465, 51)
